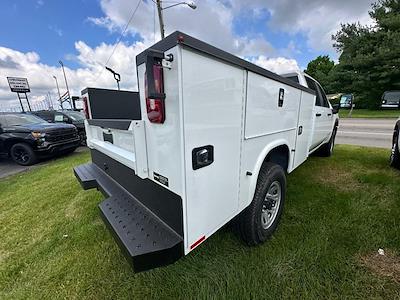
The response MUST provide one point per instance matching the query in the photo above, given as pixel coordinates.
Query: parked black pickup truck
(75, 118)
(26, 138)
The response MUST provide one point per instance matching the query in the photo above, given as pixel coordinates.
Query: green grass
(337, 210)
(366, 113)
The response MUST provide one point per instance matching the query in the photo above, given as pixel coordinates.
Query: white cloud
(279, 65)
(316, 19)
(91, 72)
(212, 21)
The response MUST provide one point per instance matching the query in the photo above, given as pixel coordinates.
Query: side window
(312, 85)
(58, 118)
(324, 99)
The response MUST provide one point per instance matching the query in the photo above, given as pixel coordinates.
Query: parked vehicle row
(75, 118)
(26, 138)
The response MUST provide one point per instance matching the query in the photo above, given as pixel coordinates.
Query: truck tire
(260, 219)
(395, 155)
(23, 154)
(326, 150)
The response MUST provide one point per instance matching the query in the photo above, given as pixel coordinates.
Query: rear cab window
(294, 78)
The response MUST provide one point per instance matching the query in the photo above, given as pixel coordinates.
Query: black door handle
(202, 157)
(318, 115)
(329, 115)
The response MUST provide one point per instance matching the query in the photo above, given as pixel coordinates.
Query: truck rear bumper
(146, 241)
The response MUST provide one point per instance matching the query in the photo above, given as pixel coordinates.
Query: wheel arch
(277, 152)
(11, 142)
(397, 126)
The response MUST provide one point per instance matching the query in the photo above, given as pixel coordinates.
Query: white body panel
(305, 129)
(164, 141)
(212, 108)
(263, 115)
(128, 146)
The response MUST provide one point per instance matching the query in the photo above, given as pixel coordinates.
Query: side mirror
(335, 108)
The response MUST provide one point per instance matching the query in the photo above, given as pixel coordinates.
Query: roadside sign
(18, 84)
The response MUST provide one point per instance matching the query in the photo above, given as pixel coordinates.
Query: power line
(119, 39)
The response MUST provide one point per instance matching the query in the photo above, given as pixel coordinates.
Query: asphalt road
(366, 132)
(363, 132)
(8, 167)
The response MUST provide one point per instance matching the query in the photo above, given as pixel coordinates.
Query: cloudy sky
(279, 35)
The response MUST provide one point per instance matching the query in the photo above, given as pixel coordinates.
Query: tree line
(369, 60)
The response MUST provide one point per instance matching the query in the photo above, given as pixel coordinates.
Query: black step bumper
(146, 241)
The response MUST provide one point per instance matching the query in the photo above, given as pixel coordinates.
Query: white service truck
(215, 139)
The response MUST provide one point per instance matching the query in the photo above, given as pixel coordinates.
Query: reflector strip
(194, 245)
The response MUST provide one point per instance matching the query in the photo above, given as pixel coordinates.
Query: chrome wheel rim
(271, 204)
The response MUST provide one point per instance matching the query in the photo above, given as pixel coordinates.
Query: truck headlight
(37, 134)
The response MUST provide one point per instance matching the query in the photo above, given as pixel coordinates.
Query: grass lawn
(339, 212)
(366, 113)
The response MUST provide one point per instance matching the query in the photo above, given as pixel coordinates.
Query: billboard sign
(18, 84)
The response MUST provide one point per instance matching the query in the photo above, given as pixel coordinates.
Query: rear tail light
(155, 97)
(85, 107)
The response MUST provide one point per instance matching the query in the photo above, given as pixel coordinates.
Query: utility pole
(66, 83)
(160, 18)
(58, 89)
(191, 4)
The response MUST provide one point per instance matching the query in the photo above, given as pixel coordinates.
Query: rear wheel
(23, 154)
(260, 219)
(395, 155)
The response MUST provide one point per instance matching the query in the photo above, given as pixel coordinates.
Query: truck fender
(261, 157)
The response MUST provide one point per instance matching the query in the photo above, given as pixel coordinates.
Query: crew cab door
(322, 115)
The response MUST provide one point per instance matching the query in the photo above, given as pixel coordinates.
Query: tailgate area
(144, 238)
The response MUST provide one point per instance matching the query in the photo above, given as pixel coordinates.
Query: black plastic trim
(113, 104)
(114, 124)
(178, 37)
(160, 200)
(145, 240)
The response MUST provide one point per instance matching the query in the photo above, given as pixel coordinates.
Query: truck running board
(146, 241)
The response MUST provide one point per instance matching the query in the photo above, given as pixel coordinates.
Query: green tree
(319, 69)
(369, 61)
